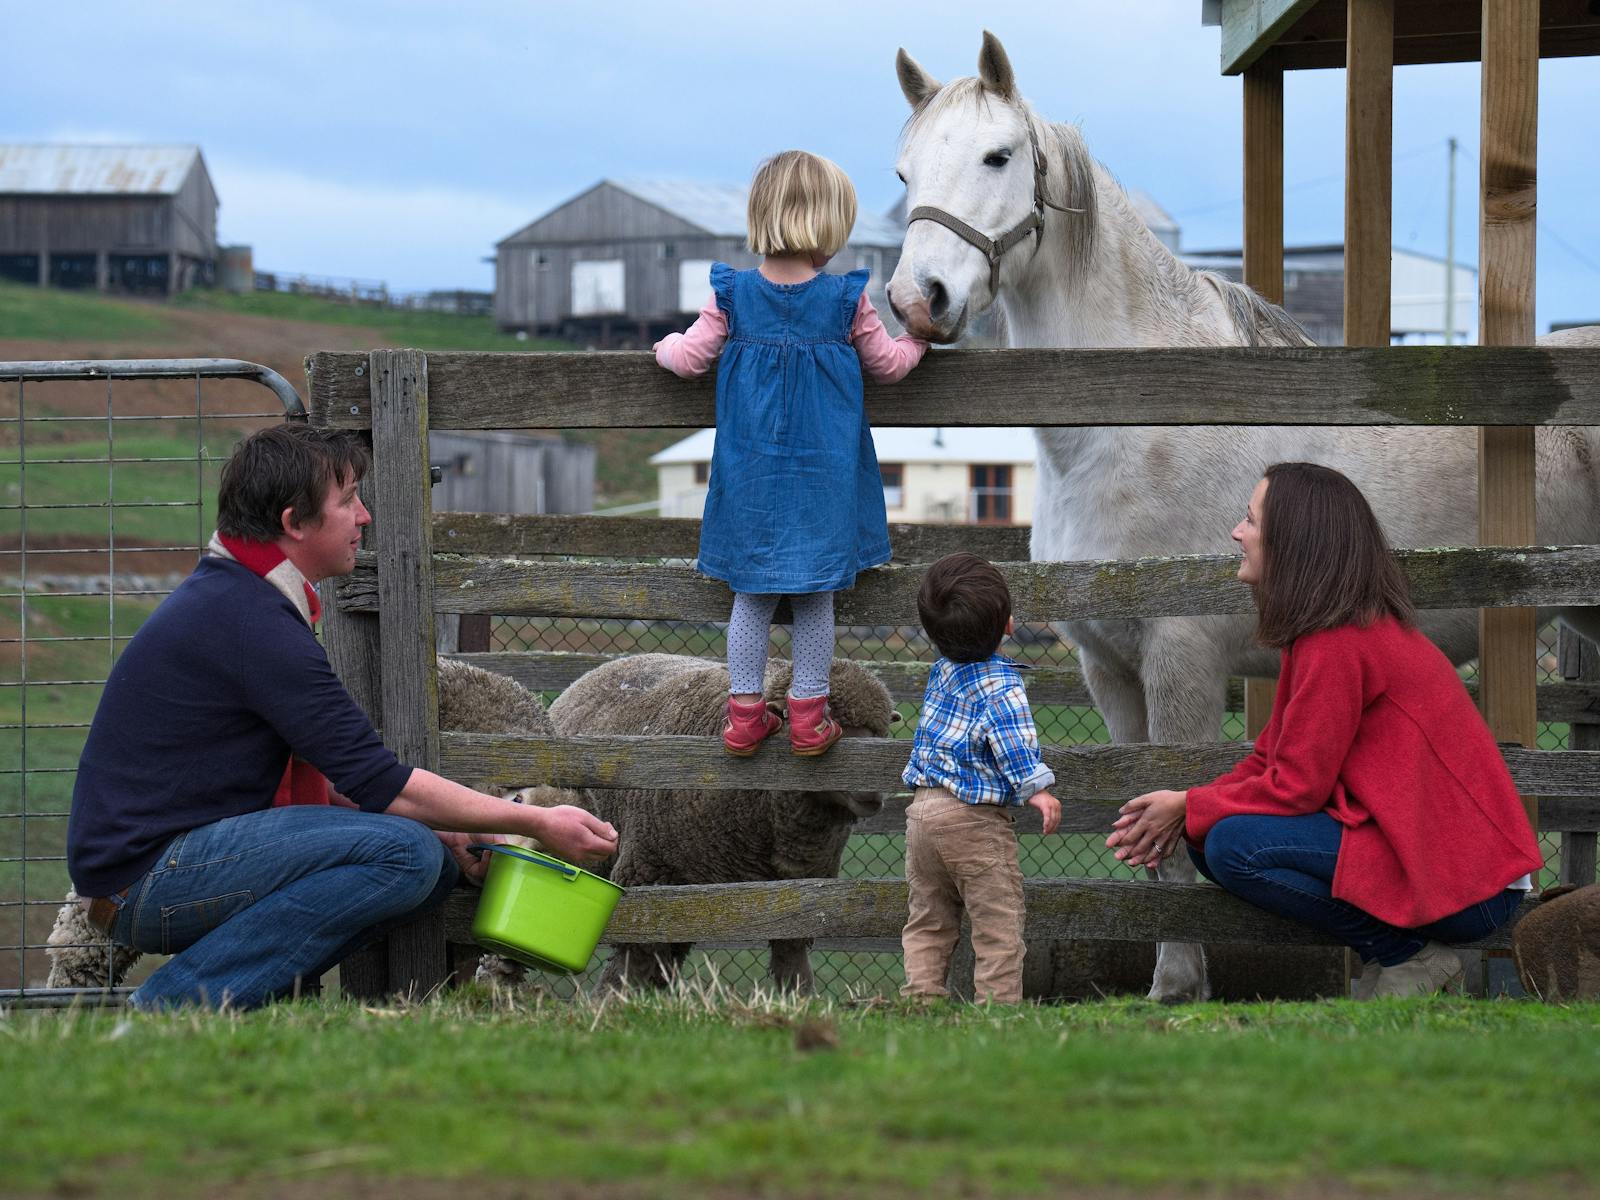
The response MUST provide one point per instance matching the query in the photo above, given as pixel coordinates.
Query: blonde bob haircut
(800, 204)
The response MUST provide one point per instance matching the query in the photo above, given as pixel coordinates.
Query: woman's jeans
(252, 905)
(1285, 865)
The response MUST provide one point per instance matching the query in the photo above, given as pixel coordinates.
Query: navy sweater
(197, 721)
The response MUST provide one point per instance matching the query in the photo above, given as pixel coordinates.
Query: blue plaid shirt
(976, 737)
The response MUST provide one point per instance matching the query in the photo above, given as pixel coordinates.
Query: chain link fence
(877, 855)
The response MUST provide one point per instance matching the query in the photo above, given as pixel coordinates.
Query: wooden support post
(1580, 663)
(1508, 175)
(1263, 254)
(410, 688)
(351, 641)
(1368, 142)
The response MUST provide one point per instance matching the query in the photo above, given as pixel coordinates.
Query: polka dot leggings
(750, 631)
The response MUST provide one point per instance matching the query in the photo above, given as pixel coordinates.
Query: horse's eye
(996, 159)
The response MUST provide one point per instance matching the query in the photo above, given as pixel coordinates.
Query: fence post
(409, 683)
(1580, 663)
(355, 652)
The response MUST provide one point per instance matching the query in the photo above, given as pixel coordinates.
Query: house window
(669, 249)
(541, 261)
(702, 472)
(894, 489)
(990, 495)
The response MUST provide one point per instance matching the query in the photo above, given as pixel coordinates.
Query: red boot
(812, 728)
(748, 725)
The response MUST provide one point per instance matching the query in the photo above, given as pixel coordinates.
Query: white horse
(1007, 208)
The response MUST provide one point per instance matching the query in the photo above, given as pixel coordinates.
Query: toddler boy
(975, 761)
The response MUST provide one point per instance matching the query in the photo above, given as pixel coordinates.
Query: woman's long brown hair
(1325, 560)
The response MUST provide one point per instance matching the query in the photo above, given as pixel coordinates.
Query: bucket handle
(479, 848)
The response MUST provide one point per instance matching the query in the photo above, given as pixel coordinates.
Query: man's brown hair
(964, 604)
(1324, 559)
(285, 466)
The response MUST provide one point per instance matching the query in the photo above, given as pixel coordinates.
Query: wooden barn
(627, 261)
(113, 218)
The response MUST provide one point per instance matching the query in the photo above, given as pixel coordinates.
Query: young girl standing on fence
(794, 505)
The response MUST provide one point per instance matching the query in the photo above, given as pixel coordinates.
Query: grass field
(680, 1097)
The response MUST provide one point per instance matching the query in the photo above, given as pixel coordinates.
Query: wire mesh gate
(108, 470)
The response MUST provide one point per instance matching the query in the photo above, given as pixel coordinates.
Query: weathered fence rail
(1103, 773)
(1119, 910)
(554, 670)
(1198, 585)
(1421, 385)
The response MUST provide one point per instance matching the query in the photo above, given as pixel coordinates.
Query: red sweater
(1373, 726)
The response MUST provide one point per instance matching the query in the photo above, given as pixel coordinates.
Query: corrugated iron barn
(113, 218)
(628, 260)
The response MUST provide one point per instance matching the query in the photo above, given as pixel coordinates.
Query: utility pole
(1450, 254)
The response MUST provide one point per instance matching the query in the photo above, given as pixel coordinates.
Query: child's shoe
(748, 725)
(812, 728)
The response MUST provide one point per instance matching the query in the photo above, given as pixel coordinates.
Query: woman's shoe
(1366, 983)
(812, 728)
(1432, 969)
(748, 725)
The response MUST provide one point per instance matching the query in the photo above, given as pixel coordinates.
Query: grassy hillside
(278, 330)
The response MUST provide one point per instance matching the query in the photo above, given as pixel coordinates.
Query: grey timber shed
(113, 218)
(627, 261)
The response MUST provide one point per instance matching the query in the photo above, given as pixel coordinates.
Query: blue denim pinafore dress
(794, 503)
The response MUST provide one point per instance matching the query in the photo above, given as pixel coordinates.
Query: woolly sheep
(1557, 946)
(688, 836)
(471, 700)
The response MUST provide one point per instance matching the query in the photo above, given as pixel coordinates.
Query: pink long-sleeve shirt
(885, 359)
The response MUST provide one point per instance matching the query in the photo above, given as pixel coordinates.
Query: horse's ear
(916, 83)
(994, 68)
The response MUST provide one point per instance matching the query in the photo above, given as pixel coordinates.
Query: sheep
(1557, 945)
(471, 700)
(687, 836)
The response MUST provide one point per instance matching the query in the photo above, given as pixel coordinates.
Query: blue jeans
(251, 905)
(1285, 865)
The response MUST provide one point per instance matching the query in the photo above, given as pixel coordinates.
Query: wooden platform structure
(380, 623)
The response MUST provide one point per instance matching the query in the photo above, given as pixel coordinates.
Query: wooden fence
(380, 623)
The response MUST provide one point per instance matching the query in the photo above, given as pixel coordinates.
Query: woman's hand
(1149, 828)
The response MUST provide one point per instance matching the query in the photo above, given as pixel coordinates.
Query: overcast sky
(399, 141)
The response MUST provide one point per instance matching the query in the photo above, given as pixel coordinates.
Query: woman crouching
(1375, 806)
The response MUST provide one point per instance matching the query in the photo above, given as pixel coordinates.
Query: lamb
(688, 836)
(1557, 946)
(471, 700)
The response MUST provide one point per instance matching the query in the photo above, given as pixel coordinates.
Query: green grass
(50, 314)
(421, 330)
(685, 1097)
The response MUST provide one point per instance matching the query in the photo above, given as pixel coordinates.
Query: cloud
(412, 239)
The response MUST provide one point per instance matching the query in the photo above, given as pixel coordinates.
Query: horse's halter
(994, 248)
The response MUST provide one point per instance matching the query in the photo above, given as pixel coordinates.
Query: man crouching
(192, 825)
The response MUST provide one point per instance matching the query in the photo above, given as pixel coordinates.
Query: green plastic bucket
(541, 911)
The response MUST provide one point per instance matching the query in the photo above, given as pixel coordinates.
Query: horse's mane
(1259, 321)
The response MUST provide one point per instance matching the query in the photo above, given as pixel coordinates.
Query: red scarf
(301, 783)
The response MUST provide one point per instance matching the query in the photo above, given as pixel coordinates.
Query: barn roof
(95, 170)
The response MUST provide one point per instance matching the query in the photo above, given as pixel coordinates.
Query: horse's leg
(1185, 690)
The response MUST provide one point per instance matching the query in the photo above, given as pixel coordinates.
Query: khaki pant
(962, 856)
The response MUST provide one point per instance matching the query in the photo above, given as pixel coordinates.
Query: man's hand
(472, 867)
(1049, 808)
(573, 834)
